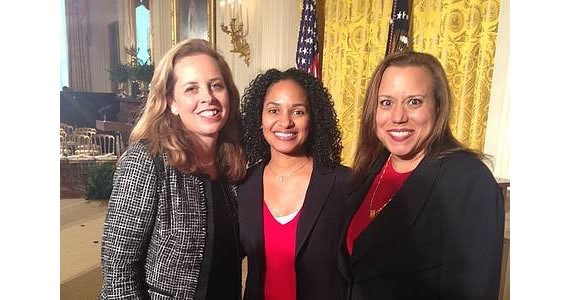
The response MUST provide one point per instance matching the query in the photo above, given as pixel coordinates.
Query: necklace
(281, 178)
(374, 212)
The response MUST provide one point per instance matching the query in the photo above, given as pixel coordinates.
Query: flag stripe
(307, 57)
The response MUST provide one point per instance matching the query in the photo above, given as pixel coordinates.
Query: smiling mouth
(400, 134)
(209, 113)
(285, 135)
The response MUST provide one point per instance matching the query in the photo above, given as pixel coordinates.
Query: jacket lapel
(318, 192)
(251, 210)
(401, 212)
(356, 197)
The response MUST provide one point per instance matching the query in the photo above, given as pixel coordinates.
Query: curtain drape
(126, 28)
(461, 33)
(78, 40)
(356, 32)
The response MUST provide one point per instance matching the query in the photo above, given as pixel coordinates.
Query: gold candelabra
(236, 29)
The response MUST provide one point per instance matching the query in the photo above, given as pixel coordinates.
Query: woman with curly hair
(171, 230)
(292, 202)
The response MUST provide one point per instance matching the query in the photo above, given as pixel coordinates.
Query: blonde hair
(440, 141)
(165, 132)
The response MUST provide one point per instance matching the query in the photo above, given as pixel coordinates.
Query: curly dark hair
(324, 141)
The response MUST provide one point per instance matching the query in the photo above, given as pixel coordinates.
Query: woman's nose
(207, 96)
(399, 114)
(285, 120)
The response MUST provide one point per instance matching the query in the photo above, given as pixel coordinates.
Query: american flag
(307, 46)
(399, 34)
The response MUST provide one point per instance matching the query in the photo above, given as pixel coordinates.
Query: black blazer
(318, 232)
(440, 237)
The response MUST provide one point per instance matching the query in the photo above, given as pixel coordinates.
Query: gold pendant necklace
(281, 178)
(374, 212)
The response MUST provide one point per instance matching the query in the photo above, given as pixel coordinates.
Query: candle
(223, 7)
(231, 8)
(240, 20)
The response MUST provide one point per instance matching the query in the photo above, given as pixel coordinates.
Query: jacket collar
(399, 214)
(318, 191)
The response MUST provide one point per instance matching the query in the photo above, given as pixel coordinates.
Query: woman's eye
(299, 112)
(385, 102)
(191, 89)
(217, 86)
(415, 102)
(272, 110)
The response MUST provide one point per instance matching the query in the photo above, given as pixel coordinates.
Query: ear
(173, 106)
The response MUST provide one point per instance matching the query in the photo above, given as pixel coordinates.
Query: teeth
(208, 113)
(284, 134)
(400, 133)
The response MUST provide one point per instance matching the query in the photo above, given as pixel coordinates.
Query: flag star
(404, 15)
(303, 61)
(399, 16)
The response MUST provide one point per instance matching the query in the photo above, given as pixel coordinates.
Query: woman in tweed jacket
(171, 228)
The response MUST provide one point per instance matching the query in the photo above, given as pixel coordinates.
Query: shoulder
(136, 156)
(137, 150)
(463, 162)
(463, 167)
(343, 172)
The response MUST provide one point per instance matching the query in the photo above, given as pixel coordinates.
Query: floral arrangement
(136, 72)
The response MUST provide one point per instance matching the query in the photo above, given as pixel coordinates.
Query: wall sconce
(236, 27)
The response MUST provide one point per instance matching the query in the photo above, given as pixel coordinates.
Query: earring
(174, 111)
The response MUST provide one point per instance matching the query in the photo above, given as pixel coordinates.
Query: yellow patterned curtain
(356, 32)
(461, 33)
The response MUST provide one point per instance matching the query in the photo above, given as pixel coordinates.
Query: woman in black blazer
(426, 218)
(293, 200)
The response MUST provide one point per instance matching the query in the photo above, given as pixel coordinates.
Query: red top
(391, 182)
(280, 278)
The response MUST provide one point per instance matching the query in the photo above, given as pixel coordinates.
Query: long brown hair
(165, 132)
(440, 141)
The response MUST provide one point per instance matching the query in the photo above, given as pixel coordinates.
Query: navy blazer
(440, 237)
(318, 233)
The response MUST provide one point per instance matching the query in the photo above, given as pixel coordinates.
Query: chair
(66, 127)
(82, 147)
(106, 144)
(85, 131)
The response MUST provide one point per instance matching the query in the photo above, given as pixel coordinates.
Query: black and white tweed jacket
(157, 240)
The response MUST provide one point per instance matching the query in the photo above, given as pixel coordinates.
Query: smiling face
(285, 118)
(200, 96)
(405, 115)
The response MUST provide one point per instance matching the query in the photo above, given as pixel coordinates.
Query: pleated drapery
(78, 40)
(460, 33)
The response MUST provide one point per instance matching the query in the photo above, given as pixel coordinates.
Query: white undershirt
(287, 218)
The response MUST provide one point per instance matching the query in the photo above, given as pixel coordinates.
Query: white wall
(497, 140)
(272, 38)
